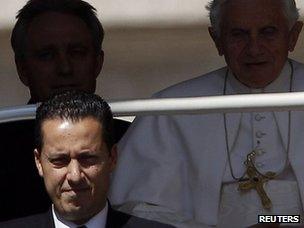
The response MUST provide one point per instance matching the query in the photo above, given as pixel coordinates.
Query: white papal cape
(176, 163)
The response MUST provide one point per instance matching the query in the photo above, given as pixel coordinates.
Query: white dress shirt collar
(98, 221)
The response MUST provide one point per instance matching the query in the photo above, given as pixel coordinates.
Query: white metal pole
(190, 105)
(212, 104)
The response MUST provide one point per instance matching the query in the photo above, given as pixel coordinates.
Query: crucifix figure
(256, 180)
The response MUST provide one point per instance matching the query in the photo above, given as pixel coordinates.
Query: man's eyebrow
(86, 152)
(78, 44)
(47, 47)
(269, 26)
(55, 155)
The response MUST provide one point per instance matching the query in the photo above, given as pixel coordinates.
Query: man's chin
(76, 214)
(75, 202)
(72, 209)
(258, 77)
(256, 80)
(63, 89)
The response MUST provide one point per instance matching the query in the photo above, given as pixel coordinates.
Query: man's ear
(99, 63)
(37, 156)
(22, 71)
(294, 35)
(113, 157)
(216, 40)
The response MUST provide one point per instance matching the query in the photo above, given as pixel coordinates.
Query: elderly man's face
(60, 55)
(75, 164)
(255, 39)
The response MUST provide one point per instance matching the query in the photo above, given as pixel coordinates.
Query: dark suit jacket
(115, 219)
(20, 182)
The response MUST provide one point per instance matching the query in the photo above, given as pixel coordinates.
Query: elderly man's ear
(216, 40)
(294, 35)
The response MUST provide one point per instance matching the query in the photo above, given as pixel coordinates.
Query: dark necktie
(83, 226)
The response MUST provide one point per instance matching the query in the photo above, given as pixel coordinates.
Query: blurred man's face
(75, 164)
(255, 39)
(59, 55)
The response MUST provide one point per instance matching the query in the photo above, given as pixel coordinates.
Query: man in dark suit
(57, 46)
(75, 155)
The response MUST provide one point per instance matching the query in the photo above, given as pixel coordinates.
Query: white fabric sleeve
(152, 166)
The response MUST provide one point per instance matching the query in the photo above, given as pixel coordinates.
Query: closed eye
(88, 159)
(45, 55)
(60, 161)
(238, 32)
(269, 31)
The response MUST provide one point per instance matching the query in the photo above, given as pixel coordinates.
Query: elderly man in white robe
(223, 169)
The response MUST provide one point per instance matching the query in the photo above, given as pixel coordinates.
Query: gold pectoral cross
(256, 180)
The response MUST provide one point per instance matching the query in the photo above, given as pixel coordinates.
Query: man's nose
(74, 172)
(64, 64)
(254, 46)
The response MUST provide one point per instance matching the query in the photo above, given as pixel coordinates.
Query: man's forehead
(63, 122)
(52, 17)
(87, 130)
(237, 2)
(58, 26)
(260, 13)
(72, 138)
(67, 44)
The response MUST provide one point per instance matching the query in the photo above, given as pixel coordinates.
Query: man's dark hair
(34, 8)
(74, 106)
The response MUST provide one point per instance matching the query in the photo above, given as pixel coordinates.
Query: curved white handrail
(189, 105)
(211, 104)
(15, 113)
